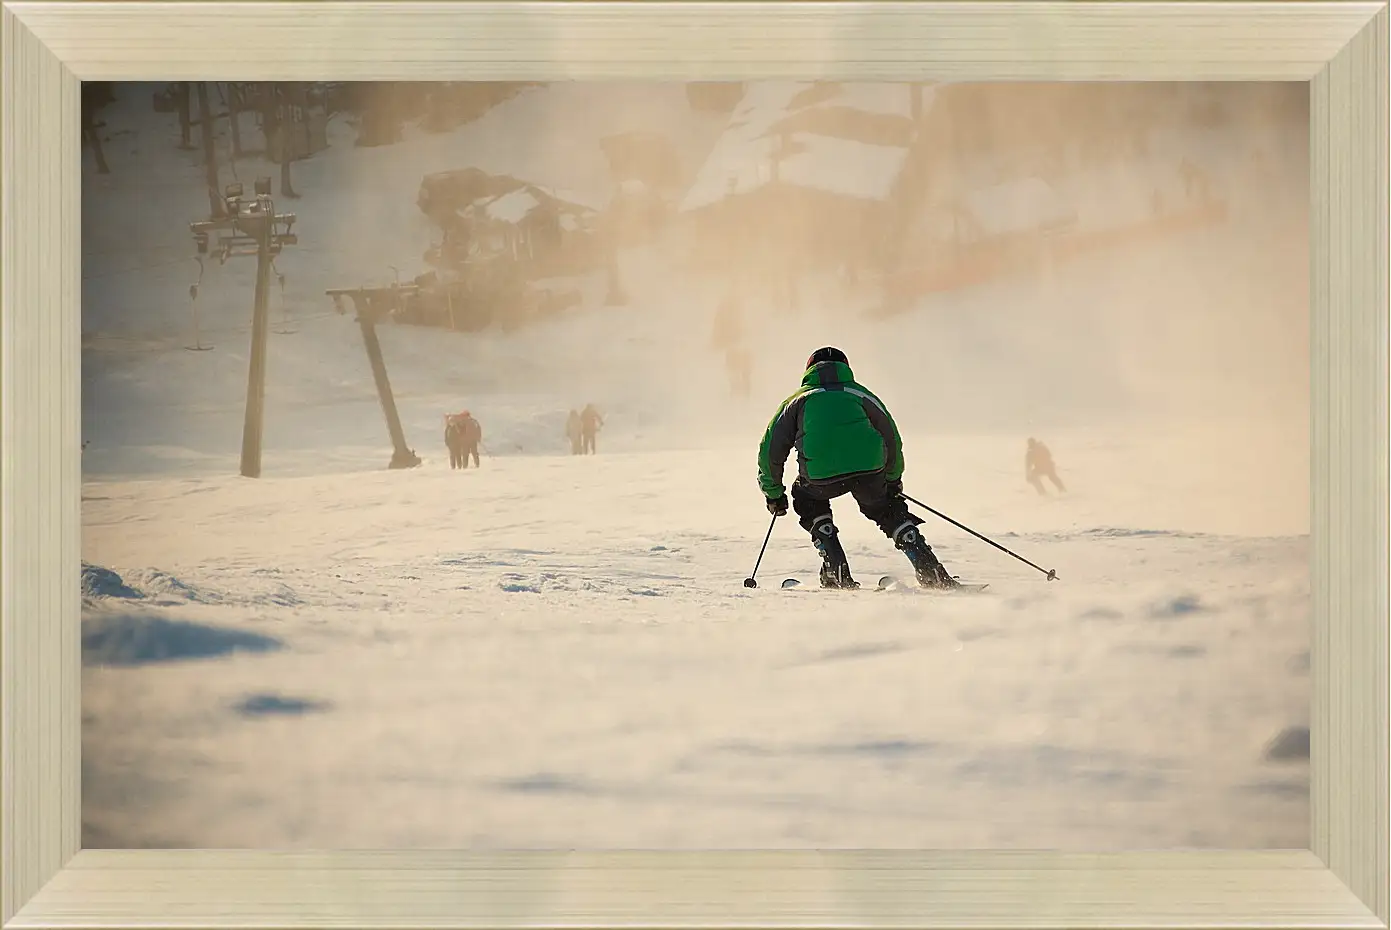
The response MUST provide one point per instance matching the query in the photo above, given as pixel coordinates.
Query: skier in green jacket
(847, 443)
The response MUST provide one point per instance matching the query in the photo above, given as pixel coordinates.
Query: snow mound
(98, 583)
(144, 639)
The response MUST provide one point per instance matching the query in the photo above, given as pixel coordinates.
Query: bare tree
(183, 93)
(95, 95)
(292, 100)
(206, 125)
(233, 100)
(277, 127)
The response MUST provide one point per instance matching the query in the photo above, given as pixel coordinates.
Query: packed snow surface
(558, 651)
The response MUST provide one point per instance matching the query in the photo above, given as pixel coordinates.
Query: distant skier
(729, 336)
(473, 438)
(453, 440)
(739, 366)
(846, 442)
(462, 434)
(727, 327)
(574, 432)
(590, 424)
(1038, 464)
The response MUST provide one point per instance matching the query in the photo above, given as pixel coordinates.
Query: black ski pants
(811, 501)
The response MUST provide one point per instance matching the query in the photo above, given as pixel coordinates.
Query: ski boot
(835, 568)
(930, 572)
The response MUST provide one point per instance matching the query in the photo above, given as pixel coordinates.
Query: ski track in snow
(551, 651)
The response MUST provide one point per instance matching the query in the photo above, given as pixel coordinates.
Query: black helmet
(827, 354)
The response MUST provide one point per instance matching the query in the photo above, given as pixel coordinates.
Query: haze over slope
(525, 654)
(1207, 326)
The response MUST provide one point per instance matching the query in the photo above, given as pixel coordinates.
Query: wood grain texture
(40, 468)
(1342, 49)
(1288, 889)
(579, 40)
(1350, 466)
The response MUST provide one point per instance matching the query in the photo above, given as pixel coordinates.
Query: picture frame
(48, 48)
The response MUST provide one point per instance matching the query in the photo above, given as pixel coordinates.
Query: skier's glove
(777, 506)
(896, 487)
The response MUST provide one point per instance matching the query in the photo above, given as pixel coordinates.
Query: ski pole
(1050, 574)
(749, 582)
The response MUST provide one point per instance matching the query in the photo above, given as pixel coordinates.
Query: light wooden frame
(1340, 48)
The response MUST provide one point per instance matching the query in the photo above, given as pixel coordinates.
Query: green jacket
(838, 428)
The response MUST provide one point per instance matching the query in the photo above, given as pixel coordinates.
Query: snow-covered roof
(736, 165)
(571, 197)
(517, 204)
(512, 207)
(765, 102)
(741, 159)
(843, 166)
(824, 163)
(887, 99)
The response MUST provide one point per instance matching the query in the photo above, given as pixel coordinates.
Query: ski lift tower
(372, 305)
(250, 226)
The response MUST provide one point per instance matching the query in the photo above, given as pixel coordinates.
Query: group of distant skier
(581, 427)
(463, 435)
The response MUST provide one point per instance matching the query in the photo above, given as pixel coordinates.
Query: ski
(889, 582)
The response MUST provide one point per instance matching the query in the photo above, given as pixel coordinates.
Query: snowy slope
(557, 651)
